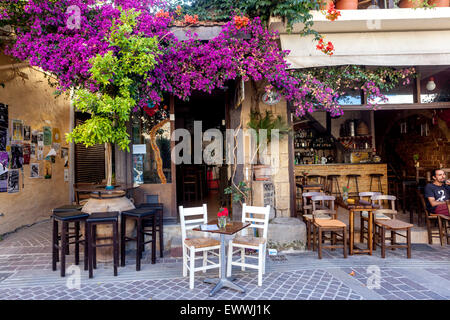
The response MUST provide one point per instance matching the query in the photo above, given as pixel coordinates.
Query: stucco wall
(33, 102)
(280, 178)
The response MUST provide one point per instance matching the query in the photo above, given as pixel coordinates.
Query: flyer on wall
(4, 182)
(4, 160)
(17, 130)
(3, 115)
(34, 170)
(16, 156)
(3, 138)
(13, 181)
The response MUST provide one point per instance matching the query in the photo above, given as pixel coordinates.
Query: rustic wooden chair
(430, 219)
(383, 214)
(191, 246)
(444, 222)
(252, 215)
(367, 196)
(332, 225)
(393, 226)
(307, 218)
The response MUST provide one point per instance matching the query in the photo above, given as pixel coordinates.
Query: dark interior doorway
(199, 183)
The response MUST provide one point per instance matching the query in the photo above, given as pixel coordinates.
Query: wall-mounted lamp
(431, 85)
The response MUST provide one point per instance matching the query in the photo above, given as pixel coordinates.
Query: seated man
(437, 193)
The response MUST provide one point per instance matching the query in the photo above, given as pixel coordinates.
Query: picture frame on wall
(26, 133)
(4, 115)
(17, 130)
(13, 181)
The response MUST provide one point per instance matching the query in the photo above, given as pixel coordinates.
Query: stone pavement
(25, 273)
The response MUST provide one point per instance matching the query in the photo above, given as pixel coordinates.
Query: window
(351, 97)
(151, 150)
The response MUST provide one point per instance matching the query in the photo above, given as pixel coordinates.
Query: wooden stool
(331, 183)
(318, 179)
(71, 230)
(159, 222)
(140, 215)
(95, 219)
(393, 226)
(355, 179)
(376, 176)
(65, 218)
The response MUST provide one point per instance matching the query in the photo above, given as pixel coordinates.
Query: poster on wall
(138, 169)
(40, 152)
(56, 135)
(34, 134)
(26, 153)
(4, 160)
(33, 150)
(34, 170)
(3, 138)
(4, 182)
(48, 169)
(17, 130)
(66, 175)
(3, 115)
(65, 156)
(26, 133)
(16, 156)
(40, 138)
(56, 147)
(13, 181)
(47, 136)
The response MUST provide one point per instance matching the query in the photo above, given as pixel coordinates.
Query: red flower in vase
(223, 212)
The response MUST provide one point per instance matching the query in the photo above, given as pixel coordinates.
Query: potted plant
(268, 122)
(347, 4)
(222, 217)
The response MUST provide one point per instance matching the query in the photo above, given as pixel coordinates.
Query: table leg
(223, 282)
(370, 232)
(351, 227)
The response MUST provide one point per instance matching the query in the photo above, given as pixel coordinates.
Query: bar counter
(363, 169)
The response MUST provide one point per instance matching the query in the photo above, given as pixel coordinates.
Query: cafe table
(359, 206)
(224, 281)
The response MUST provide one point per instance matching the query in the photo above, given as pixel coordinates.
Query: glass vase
(345, 196)
(221, 222)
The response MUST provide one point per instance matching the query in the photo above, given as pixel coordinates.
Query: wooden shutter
(89, 162)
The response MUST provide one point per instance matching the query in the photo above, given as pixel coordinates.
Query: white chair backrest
(252, 214)
(380, 198)
(323, 199)
(196, 215)
(369, 194)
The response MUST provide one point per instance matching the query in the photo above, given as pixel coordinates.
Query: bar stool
(98, 218)
(67, 217)
(332, 182)
(377, 177)
(140, 215)
(71, 231)
(159, 222)
(355, 179)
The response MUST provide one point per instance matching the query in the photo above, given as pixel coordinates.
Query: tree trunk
(108, 158)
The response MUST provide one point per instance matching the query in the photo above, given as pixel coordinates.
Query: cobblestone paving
(25, 273)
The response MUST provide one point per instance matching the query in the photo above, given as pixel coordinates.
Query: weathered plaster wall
(280, 178)
(33, 102)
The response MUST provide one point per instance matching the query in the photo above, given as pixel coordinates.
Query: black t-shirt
(439, 193)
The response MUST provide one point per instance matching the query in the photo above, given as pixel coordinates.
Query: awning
(402, 48)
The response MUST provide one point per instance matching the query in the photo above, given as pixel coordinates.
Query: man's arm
(433, 202)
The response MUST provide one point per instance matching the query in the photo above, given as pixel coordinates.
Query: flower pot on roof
(411, 3)
(347, 4)
(439, 3)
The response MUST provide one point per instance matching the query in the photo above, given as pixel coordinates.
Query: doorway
(199, 182)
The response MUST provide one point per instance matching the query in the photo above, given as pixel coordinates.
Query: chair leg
(94, 242)
(122, 239)
(91, 249)
(408, 243)
(86, 246)
(308, 234)
(383, 242)
(64, 245)
(161, 234)
(345, 241)
(153, 240)
(393, 241)
(77, 242)
(184, 261)
(243, 258)
(314, 237)
(441, 233)
(205, 260)
(320, 242)
(115, 247)
(138, 244)
(54, 244)
(430, 236)
(264, 258)
(361, 232)
(230, 259)
(260, 264)
(191, 267)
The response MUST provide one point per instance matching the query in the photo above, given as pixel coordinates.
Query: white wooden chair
(308, 218)
(205, 244)
(248, 241)
(366, 196)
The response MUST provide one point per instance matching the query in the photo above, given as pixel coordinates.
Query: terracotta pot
(262, 172)
(439, 3)
(347, 5)
(325, 4)
(410, 3)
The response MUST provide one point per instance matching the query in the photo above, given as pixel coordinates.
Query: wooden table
(230, 229)
(359, 206)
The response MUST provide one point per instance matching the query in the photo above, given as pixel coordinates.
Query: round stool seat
(140, 212)
(103, 217)
(69, 215)
(333, 175)
(353, 175)
(376, 175)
